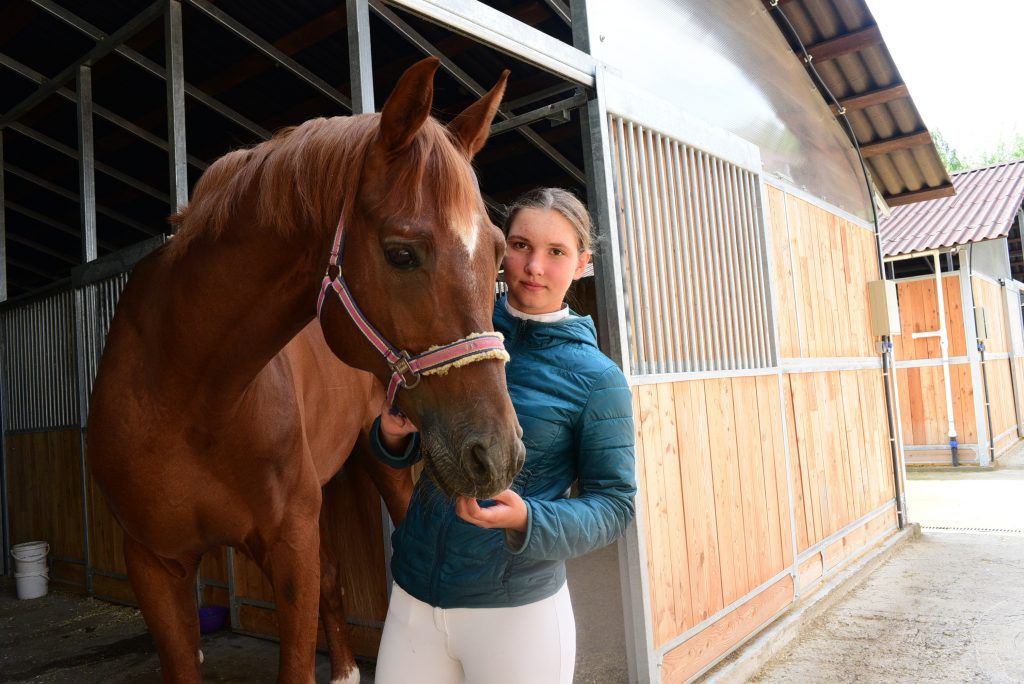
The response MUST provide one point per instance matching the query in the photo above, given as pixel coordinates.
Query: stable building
(960, 374)
(734, 190)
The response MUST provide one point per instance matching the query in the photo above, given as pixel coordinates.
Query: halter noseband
(406, 369)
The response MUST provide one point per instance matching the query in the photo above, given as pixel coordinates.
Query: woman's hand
(508, 512)
(394, 429)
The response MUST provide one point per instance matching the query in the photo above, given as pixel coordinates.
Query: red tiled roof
(983, 208)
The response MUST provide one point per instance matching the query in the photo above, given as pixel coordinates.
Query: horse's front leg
(165, 590)
(292, 563)
(332, 609)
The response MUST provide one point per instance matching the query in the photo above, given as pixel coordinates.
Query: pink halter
(406, 369)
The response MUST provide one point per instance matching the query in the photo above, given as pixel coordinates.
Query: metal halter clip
(401, 367)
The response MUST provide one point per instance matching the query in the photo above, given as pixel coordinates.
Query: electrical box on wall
(883, 307)
(981, 322)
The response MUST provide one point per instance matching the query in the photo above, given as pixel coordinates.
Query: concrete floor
(65, 637)
(948, 607)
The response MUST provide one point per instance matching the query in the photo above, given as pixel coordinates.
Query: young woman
(480, 593)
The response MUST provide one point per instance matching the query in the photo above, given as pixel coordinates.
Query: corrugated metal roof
(863, 74)
(983, 208)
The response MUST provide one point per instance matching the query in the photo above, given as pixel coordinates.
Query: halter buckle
(401, 367)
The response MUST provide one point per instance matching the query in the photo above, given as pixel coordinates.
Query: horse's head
(421, 258)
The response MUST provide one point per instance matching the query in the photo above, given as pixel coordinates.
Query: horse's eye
(401, 257)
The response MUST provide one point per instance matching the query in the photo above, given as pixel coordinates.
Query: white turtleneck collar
(551, 317)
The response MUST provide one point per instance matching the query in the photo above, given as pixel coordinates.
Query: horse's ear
(409, 105)
(472, 126)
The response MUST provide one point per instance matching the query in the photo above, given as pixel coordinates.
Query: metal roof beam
(102, 168)
(897, 142)
(73, 196)
(845, 44)
(945, 190)
(31, 269)
(153, 68)
(507, 34)
(561, 10)
(32, 244)
(425, 46)
(56, 225)
(119, 121)
(225, 20)
(554, 109)
(871, 98)
(104, 47)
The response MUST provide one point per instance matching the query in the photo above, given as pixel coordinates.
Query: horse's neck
(235, 302)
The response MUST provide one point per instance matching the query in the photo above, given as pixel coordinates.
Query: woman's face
(542, 258)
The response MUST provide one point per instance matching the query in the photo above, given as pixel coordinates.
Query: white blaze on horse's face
(469, 234)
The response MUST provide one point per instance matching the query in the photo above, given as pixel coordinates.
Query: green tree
(949, 155)
(1007, 149)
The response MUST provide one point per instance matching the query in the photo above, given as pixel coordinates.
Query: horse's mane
(300, 176)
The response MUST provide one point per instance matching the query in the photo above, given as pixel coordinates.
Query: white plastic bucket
(31, 575)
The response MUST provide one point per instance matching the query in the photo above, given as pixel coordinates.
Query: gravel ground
(948, 607)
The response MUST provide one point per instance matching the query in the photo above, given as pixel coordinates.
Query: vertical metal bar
(5, 366)
(669, 295)
(630, 187)
(695, 262)
(678, 308)
(3, 236)
(232, 597)
(730, 231)
(716, 331)
(597, 164)
(360, 68)
(86, 165)
(758, 253)
(360, 63)
(643, 251)
(748, 235)
(175, 67)
(630, 277)
(656, 254)
(80, 365)
(689, 308)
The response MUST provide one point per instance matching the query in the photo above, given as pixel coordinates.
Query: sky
(961, 61)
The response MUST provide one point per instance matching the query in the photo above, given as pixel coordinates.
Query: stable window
(691, 236)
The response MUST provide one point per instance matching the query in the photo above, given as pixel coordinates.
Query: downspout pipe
(886, 340)
(981, 350)
(944, 345)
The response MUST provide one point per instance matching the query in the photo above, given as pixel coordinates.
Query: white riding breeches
(534, 644)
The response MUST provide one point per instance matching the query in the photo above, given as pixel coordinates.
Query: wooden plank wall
(737, 471)
(44, 489)
(922, 388)
(821, 263)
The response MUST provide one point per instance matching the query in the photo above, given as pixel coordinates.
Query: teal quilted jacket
(576, 413)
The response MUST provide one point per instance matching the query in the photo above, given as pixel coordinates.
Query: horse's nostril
(476, 462)
(519, 430)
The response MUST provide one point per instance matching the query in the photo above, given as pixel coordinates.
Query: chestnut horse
(219, 410)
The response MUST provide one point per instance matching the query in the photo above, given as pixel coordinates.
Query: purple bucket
(212, 619)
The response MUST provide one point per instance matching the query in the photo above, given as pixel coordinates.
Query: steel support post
(175, 80)
(3, 241)
(360, 67)
(86, 165)
(360, 64)
(82, 386)
(5, 538)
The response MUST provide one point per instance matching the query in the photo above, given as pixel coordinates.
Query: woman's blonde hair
(562, 201)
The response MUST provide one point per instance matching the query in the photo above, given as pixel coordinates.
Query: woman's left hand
(508, 512)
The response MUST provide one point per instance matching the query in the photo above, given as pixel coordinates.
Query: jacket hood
(574, 328)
